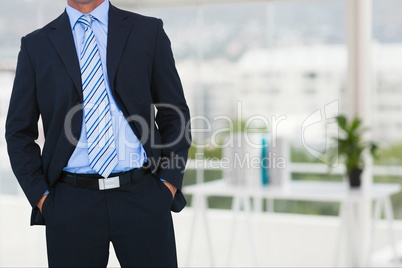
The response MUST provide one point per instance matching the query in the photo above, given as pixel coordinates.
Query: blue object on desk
(264, 163)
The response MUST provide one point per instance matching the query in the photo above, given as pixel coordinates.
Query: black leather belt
(97, 182)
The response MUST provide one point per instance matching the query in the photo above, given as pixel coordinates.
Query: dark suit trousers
(136, 218)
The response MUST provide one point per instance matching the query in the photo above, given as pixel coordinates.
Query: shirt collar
(101, 13)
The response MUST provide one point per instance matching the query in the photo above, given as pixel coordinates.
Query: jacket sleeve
(22, 130)
(173, 117)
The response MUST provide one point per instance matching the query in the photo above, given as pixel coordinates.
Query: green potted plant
(352, 146)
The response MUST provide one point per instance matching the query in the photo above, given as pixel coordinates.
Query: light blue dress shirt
(130, 152)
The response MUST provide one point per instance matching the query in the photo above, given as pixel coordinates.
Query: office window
(273, 59)
(387, 90)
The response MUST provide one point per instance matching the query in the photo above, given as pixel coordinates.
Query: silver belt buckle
(109, 183)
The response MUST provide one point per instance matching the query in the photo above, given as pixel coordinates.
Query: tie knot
(86, 20)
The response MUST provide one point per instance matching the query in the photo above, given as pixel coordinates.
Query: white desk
(349, 200)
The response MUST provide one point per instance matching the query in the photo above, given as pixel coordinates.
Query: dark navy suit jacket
(142, 75)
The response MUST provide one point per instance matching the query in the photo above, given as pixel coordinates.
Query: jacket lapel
(63, 41)
(118, 32)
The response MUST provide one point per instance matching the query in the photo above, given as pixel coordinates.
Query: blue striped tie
(101, 143)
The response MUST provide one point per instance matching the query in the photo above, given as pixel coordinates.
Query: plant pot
(355, 178)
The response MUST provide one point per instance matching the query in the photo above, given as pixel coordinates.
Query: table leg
(196, 209)
(353, 233)
(389, 215)
(200, 205)
(348, 230)
(236, 205)
(207, 231)
(341, 232)
(376, 216)
(253, 247)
